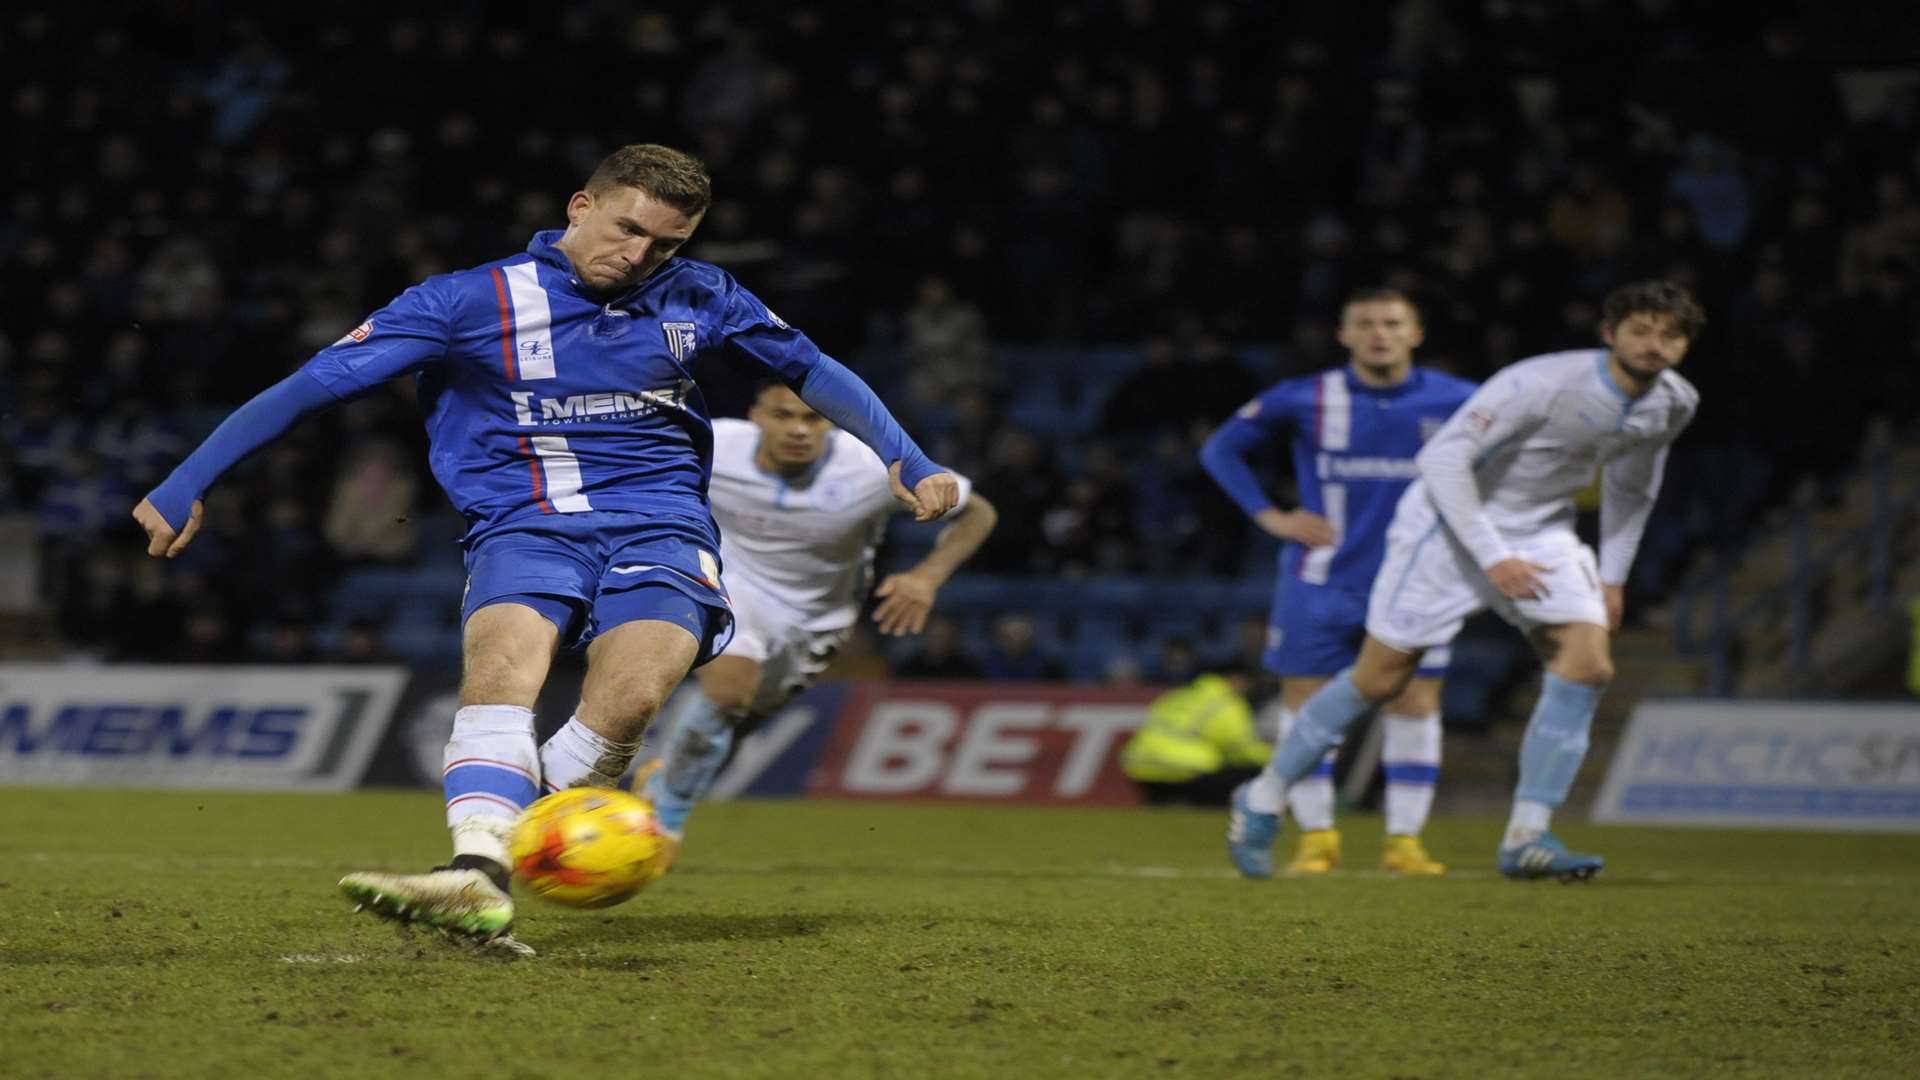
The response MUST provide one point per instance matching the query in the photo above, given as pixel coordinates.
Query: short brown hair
(678, 179)
(1383, 294)
(1655, 298)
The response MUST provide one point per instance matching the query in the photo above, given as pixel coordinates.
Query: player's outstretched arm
(403, 336)
(906, 598)
(839, 395)
(170, 513)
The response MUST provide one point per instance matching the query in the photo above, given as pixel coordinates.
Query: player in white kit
(801, 506)
(1490, 524)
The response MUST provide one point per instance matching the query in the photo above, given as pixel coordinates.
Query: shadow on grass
(691, 929)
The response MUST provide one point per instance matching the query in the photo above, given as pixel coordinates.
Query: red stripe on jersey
(539, 478)
(506, 326)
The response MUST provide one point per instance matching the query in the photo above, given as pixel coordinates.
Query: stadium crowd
(1063, 240)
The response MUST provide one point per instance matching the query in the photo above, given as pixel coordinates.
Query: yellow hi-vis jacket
(1200, 728)
(1913, 658)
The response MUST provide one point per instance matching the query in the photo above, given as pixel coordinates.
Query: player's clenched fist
(161, 539)
(932, 497)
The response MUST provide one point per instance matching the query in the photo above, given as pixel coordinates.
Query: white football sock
(578, 756)
(1410, 754)
(1311, 797)
(492, 773)
(1528, 823)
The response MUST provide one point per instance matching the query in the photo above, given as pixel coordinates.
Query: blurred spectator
(1591, 216)
(1023, 484)
(1123, 670)
(940, 655)
(1198, 742)
(206, 638)
(1710, 183)
(368, 515)
(1177, 664)
(1167, 485)
(1178, 384)
(363, 643)
(1014, 656)
(289, 640)
(946, 344)
(81, 498)
(1087, 525)
(1247, 651)
(1913, 646)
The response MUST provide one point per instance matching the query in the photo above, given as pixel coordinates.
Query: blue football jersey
(542, 398)
(1352, 447)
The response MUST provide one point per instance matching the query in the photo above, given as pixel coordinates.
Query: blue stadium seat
(425, 645)
(369, 592)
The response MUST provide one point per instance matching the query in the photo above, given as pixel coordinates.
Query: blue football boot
(1250, 836)
(1547, 857)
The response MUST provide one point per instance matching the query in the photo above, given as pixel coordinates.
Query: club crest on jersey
(358, 334)
(681, 339)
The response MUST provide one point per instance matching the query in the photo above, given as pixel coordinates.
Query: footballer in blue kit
(1352, 433)
(560, 392)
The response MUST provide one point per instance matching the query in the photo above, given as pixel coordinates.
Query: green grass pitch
(190, 934)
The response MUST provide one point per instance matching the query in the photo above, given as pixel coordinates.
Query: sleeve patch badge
(358, 334)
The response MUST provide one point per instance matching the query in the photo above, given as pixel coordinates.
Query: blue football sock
(1556, 740)
(695, 751)
(1317, 728)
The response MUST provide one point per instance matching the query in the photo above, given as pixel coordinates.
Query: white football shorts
(1429, 584)
(790, 656)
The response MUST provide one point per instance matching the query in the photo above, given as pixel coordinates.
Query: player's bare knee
(640, 704)
(497, 677)
(1380, 684)
(1382, 672)
(1578, 653)
(1588, 670)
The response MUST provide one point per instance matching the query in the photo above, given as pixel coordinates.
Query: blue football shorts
(1316, 630)
(590, 572)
